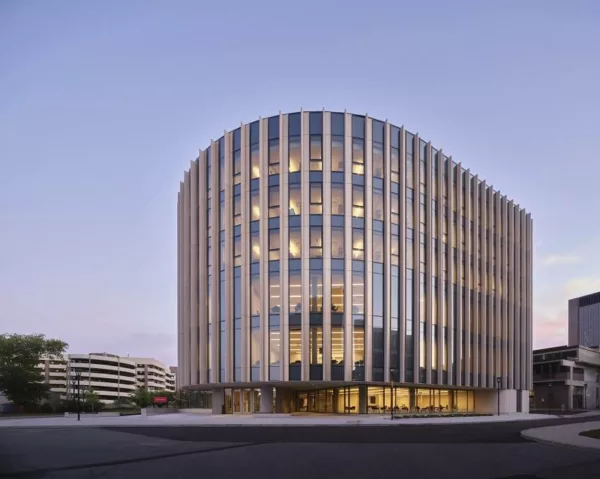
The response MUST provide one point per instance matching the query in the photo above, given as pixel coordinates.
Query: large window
(255, 205)
(274, 145)
(295, 244)
(358, 145)
(237, 205)
(295, 322)
(273, 244)
(377, 246)
(409, 160)
(378, 335)
(316, 291)
(337, 242)
(378, 207)
(337, 320)
(395, 324)
(395, 200)
(409, 345)
(337, 198)
(294, 131)
(316, 198)
(358, 201)
(254, 150)
(378, 142)
(273, 201)
(358, 321)
(337, 141)
(295, 292)
(255, 290)
(237, 323)
(315, 126)
(237, 157)
(337, 153)
(358, 243)
(395, 154)
(337, 291)
(316, 241)
(295, 201)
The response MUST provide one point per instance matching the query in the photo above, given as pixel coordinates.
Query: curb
(534, 438)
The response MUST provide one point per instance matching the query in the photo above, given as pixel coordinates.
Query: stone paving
(190, 419)
(565, 435)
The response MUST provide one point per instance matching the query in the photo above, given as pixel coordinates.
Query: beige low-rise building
(110, 376)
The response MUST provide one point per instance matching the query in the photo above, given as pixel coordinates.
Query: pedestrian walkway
(565, 435)
(190, 419)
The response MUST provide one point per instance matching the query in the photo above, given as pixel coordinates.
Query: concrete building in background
(566, 377)
(154, 375)
(584, 321)
(172, 378)
(323, 255)
(110, 376)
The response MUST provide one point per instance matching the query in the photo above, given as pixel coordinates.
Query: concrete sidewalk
(565, 435)
(199, 420)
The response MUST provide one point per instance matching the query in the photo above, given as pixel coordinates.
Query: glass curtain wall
(395, 254)
(295, 247)
(274, 339)
(337, 246)
(237, 255)
(255, 255)
(222, 286)
(409, 260)
(209, 299)
(378, 291)
(358, 248)
(315, 285)
(423, 284)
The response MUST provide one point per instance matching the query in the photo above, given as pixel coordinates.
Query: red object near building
(160, 400)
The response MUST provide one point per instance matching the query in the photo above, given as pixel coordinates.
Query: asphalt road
(463, 451)
(501, 432)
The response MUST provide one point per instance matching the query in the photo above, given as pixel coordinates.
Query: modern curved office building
(337, 263)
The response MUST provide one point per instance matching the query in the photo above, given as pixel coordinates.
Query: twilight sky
(104, 104)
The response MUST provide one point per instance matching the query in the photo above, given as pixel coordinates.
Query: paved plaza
(299, 420)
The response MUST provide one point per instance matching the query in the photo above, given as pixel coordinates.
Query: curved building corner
(332, 262)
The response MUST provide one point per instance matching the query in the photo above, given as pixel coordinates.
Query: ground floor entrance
(346, 399)
(382, 399)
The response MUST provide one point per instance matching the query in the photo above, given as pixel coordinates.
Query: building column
(362, 399)
(266, 399)
(218, 401)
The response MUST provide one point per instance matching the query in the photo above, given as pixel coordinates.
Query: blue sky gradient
(104, 104)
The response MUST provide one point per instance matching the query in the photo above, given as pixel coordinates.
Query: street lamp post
(499, 383)
(78, 377)
(585, 396)
(392, 391)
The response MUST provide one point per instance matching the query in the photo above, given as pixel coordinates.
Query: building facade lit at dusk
(323, 257)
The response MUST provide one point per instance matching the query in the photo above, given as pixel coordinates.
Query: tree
(21, 380)
(141, 397)
(91, 399)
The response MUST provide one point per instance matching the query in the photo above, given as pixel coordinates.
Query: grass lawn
(595, 433)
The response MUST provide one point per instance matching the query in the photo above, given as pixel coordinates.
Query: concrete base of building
(503, 401)
(364, 398)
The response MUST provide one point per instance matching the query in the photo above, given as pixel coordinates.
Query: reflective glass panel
(337, 199)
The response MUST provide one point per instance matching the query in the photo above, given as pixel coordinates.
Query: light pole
(585, 396)
(78, 377)
(392, 391)
(498, 383)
